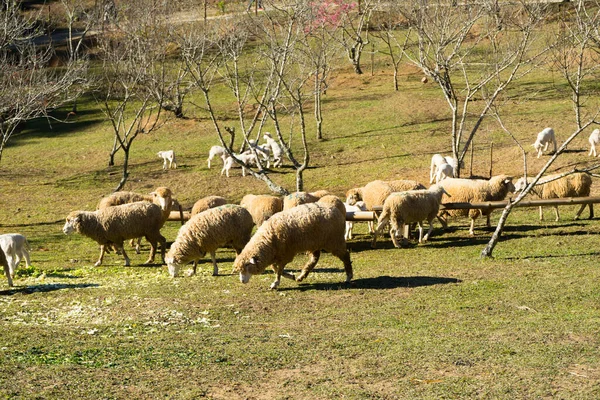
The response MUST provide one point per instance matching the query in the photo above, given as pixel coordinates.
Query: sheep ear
(253, 261)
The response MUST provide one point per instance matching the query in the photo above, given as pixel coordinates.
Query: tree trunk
(125, 170)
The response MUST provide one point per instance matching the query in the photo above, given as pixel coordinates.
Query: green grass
(432, 321)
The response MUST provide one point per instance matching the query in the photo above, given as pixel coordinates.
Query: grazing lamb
(437, 160)
(358, 206)
(594, 140)
(475, 190)
(261, 207)
(113, 225)
(306, 228)
(15, 248)
(412, 206)
(168, 156)
(574, 185)
(208, 231)
(208, 202)
(229, 163)
(6, 268)
(443, 171)
(543, 140)
(276, 149)
(215, 151)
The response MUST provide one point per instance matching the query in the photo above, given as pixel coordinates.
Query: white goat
(594, 140)
(15, 247)
(214, 152)
(544, 138)
(168, 156)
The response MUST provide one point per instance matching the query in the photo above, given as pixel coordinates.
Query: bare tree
(447, 49)
(133, 70)
(355, 28)
(575, 56)
(29, 87)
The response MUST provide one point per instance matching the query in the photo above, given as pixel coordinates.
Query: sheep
(15, 247)
(356, 207)
(228, 162)
(475, 190)
(263, 151)
(411, 206)
(162, 197)
(543, 140)
(262, 207)
(4, 263)
(594, 140)
(276, 149)
(113, 225)
(208, 202)
(208, 231)
(333, 201)
(297, 198)
(374, 193)
(443, 171)
(214, 152)
(437, 160)
(306, 228)
(574, 185)
(168, 156)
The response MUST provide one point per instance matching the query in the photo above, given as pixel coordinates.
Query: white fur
(594, 140)
(437, 160)
(356, 207)
(168, 156)
(263, 151)
(214, 152)
(443, 171)
(544, 138)
(15, 248)
(276, 149)
(229, 163)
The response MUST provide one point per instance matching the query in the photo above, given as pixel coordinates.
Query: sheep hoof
(98, 263)
(274, 286)
(191, 272)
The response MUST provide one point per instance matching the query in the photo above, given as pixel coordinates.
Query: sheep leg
(472, 228)
(348, 234)
(420, 224)
(279, 272)
(591, 211)
(541, 214)
(127, 262)
(426, 237)
(583, 208)
(592, 151)
(27, 259)
(214, 261)
(556, 212)
(7, 273)
(393, 233)
(313, 260)
(102, 252)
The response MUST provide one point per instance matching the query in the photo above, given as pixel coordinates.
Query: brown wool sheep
(305, 228)
(207, 203)
(262, 207)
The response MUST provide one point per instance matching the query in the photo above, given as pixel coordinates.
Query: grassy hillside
(427, 321)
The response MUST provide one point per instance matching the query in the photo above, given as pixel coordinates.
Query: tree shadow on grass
(49, 287)
(380, 282)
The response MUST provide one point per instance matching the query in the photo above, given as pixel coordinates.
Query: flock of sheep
(298, 223)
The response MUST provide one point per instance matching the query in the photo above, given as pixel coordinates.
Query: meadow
(429, 321)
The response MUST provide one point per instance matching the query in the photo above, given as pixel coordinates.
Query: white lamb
(168, 156)
(594, 140)
(15, 248)
(437, 160)
(6, 268)
(276, 149)
(356, 207)
(401, 208)
(263, 151)
(544, 138)
(443, 171)
(215, 151)
(229, 163)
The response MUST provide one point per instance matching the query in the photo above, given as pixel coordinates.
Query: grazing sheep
(358, 206)
(411, 206)
(208, 231)
(15, 247)
(261, 207)
(215, 151)
(6, 268)
(594, 140)
(333, 201)
(574, 185)
(297, 198)
(208, 202)
(475, 190)
(544, 138)
(443, 171)
(168, 156)
(374, 193)
(113, 225)
(276, 149)
(228, 162)
(437, 160)
(306, 228)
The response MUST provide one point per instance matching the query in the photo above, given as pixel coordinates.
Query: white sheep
(112, 225)
(437, 160)
(306, 228)
(408, 207)
(208, 202)
(261, 207)
(574, 185)
(475, 190)
(594, 140)
(263, 151)
(544, 138)
(228, 162)
(168, 156)
(276, 149)
(443, 171)
(215, 151)
(208, 231)
(6, 268)
(356, 207)
(15, 247)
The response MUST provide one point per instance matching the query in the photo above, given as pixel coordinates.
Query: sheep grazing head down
(247, 269)
(175, 265)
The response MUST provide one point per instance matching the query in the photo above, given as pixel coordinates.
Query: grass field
(429, 321)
